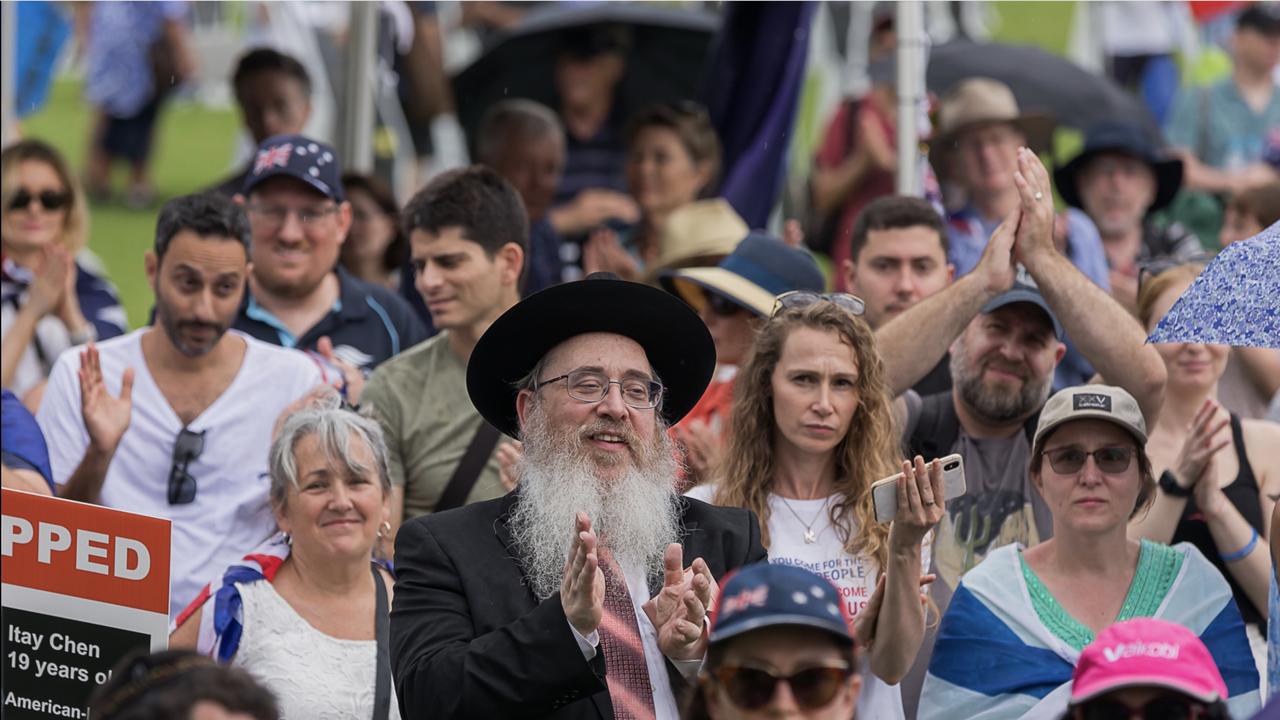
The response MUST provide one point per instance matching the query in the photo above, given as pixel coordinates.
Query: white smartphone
(885, 492)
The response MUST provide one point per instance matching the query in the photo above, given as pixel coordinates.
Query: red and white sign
(82, 586)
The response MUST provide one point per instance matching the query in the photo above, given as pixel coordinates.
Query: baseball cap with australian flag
(297, 156)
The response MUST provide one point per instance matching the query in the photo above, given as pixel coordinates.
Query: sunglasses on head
(186, 448)
(804, 298)
(722, 306)
(1165, 707)
(48, 199)
(1070, 459)
(752, 688)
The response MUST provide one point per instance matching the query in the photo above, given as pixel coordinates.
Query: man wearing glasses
(583, 593)
(298, 295)
(174, 420)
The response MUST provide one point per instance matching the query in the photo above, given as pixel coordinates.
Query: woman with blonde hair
(52, 298)
(811, 430)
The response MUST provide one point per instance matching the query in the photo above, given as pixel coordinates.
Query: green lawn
(193, 149)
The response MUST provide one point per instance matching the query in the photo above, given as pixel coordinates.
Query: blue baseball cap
(1024, 292)
(297, 156)
(759, 269)
(768, 595)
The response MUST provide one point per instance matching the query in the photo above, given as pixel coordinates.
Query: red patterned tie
(625, 668)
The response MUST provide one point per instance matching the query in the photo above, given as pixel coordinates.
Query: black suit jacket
(470, 640)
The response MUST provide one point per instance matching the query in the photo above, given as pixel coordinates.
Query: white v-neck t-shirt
(230, 514)
(854, 576)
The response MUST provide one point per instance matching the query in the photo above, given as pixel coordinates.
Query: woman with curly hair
(811, 430)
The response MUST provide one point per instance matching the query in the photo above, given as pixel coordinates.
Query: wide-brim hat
(981, 101)
(1125, 138)
(698, 233)
(677, 343)
(760, 269)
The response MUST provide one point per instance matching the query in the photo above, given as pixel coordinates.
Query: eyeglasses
(271, 217)
(804, 298)
(752, 688)
(722, 306)
(48, 199)
(1165, 707)
(1070, 459)
(186, 448)
(591, 386)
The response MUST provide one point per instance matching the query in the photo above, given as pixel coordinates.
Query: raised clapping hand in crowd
(1036, 218)
(351, 384)
(1195, 466)
(106, 418)
(508, 455)
(679, 611)
(582, 590)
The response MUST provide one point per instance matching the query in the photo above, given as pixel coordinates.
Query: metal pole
(361, 79)
(911, 59)
(8, 72)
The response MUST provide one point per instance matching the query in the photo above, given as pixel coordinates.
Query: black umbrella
(1040, 81)
(668, 51)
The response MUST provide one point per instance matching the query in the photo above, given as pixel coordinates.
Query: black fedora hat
(1125, 138)
(674, 338)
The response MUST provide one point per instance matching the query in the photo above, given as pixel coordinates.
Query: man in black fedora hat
(1119, 179)
(570, 597)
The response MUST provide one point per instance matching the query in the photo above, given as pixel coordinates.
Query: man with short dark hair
(898, 257)
(524, 142)
(174, 420)
(299, 295)
(1003, 326)
(467, 236)
(273, 92)
(570, 598)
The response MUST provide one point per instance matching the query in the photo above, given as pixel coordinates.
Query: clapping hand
(508, 455)
(49, 288)
(604, 253)
(106, 418)
(582, 589)
(680, 609)
(351, 384)
(1195, 467)
(921, 503)
(1035, 229)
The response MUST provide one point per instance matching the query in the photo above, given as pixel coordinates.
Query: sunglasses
(722, 306)
(804, 298)
(1160, 708)
(752, 688)
(1070, 459)
(186, 448)
(48, 199)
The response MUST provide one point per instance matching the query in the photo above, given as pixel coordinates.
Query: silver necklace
(810, 537)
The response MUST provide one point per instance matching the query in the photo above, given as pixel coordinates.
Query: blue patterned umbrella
(1235, 301)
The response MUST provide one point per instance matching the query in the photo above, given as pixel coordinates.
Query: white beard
(635, 515)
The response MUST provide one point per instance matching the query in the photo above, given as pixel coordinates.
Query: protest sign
(82, 586)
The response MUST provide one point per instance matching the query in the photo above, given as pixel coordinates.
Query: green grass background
(194, 146)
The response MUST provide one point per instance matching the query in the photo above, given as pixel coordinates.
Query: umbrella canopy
(1040, 81)
(668, 51)
(1235, 301)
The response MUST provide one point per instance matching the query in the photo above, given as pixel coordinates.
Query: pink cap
(1147, 652)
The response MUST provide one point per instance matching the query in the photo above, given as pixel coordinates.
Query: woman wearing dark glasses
(1018, 622)
(50, 299)
(811, 430)
(1219, 473)
(780, 647)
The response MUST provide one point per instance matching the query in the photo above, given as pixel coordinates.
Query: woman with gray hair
(305, 613)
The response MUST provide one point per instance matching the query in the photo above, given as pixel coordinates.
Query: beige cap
(1100, 402)
(699, 233)
(978, 101)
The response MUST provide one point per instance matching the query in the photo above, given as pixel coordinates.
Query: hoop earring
(384, 529)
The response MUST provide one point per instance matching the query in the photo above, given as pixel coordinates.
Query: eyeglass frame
(187, 447)
(307, 217)
(61, 200)
(848, 302)
(724, 675)
(1197, 708)
(1130, 454)
(656, 388)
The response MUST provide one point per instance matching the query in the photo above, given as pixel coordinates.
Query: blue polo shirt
(367, 324)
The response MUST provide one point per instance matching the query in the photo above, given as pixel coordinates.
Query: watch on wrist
(1169, 484)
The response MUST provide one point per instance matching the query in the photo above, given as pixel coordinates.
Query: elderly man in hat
(570, 597)
(980, 129)
(1119, 179)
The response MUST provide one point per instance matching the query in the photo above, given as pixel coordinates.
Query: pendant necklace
(810, 537)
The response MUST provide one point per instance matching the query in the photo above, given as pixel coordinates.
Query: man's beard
(997, 405)
(173, 328)
(635, 515)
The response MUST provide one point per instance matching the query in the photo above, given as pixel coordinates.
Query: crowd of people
(401, 482)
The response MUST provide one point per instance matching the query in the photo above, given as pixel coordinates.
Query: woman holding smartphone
(811, 430)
